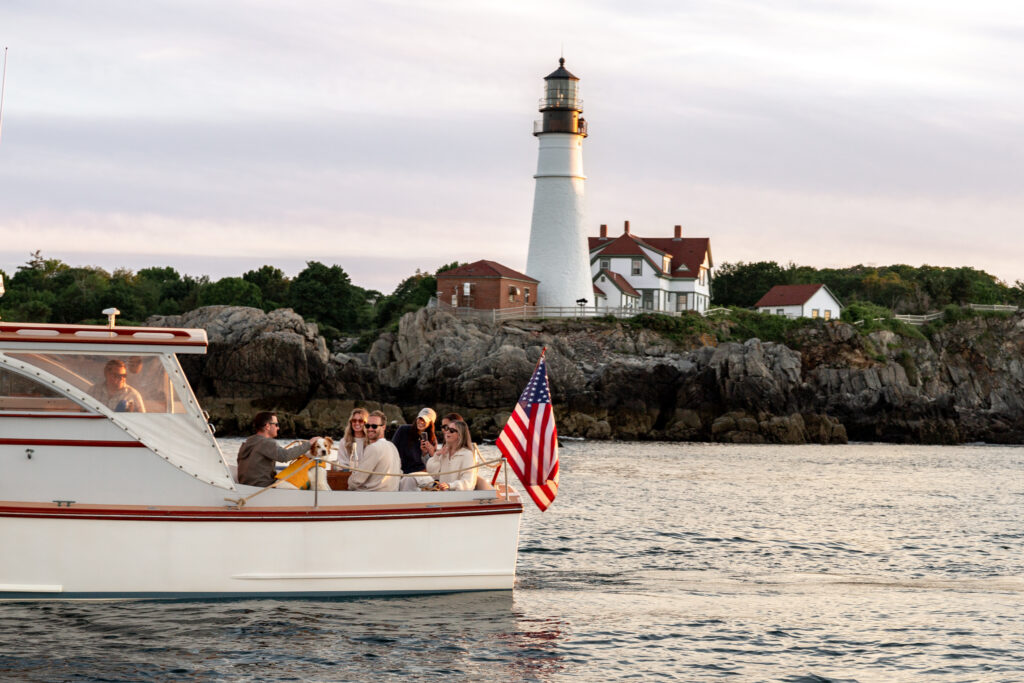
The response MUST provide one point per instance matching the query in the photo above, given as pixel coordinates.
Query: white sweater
(464, 481)
(381, 457)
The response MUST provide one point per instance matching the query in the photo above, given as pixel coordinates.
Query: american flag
(529, 441)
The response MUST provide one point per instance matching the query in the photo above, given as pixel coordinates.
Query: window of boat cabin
(88, 372)
(20, 394)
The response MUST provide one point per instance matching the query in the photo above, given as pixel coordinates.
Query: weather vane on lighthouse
(558, 254)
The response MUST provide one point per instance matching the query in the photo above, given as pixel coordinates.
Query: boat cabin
(62, 395)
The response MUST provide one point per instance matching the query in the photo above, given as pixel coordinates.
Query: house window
(780, 311)
(526, 295)
(666, 263)
(681, 301)
(637, 268)
(606, 264)
(701, 277)
(512, 292)
(828, 314)
(648, 299)
(814, 313)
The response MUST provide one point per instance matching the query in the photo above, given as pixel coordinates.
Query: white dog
(314, 476)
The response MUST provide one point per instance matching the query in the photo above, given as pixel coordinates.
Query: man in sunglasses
(114, 391)
(256, 457)
(379, 460)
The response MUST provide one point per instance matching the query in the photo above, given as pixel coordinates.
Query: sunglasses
(450, 430)
(118, 374)
(373, 426)
(357, 422)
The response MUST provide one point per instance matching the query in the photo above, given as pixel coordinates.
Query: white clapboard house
(665, 274)
(800, 301)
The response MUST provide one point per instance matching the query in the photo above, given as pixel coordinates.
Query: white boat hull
(89, 552)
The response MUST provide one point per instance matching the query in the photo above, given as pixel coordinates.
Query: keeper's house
(486, 285)
(800, 301)
(665, 273)
(611, 290)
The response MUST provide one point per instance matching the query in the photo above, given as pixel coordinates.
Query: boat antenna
(3, 87)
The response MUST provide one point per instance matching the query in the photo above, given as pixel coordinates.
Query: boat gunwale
(293, 513)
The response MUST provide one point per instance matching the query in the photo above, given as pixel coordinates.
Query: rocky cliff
(827, 384)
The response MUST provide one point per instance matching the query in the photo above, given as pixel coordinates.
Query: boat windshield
(123, 383)
(24, 394)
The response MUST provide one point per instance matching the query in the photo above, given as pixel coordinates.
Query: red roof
(619, 282)
(688, 253)
(598, 292)
(484, 268)
(788, 295)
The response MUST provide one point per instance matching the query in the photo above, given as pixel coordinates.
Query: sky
(216, 137)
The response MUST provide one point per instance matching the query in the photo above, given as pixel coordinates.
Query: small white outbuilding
(800, 301)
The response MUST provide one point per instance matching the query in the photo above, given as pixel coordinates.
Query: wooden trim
(63, 416)
(334, 514)
(72, 442)
(62, 339)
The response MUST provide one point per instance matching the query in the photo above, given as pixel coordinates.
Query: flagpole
(3, 87)
(504, 460)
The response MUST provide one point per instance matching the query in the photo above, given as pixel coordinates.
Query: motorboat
(102, 500)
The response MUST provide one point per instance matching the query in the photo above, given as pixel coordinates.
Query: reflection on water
(688, 561)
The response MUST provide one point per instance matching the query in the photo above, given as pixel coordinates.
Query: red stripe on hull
(255, 515)
(72, 442)
(65, 416)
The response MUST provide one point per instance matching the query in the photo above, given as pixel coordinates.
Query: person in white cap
(416, 441)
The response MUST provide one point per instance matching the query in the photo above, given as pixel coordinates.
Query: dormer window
(637, 268)
(606, 264)
(666, 263)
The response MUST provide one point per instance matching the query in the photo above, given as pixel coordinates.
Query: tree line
(51, 291)
(899, 288)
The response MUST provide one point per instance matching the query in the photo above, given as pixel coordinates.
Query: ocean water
(867, 562)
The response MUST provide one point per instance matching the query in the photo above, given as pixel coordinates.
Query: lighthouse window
(637, 268)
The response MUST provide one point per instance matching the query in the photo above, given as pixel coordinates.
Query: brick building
(486, 285)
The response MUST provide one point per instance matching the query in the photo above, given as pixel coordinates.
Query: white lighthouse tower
(558, 255)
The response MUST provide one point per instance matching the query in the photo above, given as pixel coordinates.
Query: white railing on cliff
(541, 312)
(928, 317)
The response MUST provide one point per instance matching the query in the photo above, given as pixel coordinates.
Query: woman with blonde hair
(354, 440)
(453, 466)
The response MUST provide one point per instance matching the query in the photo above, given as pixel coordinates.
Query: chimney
(679, 232)
(604, 231)
(627, 228)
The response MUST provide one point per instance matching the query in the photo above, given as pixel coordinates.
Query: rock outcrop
(827, 384)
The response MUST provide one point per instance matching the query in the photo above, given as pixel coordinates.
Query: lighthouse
(558, 254)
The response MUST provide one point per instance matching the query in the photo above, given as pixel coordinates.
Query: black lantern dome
(561, 104)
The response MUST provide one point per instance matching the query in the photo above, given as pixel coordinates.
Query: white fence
(540, 312)
(918, 319)
(928, 317)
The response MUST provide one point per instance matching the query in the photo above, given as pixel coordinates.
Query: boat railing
(317, 462)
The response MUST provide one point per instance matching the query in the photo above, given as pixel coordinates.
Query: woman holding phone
(416, 442)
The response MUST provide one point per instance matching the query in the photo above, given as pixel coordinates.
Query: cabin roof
(52, 335)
